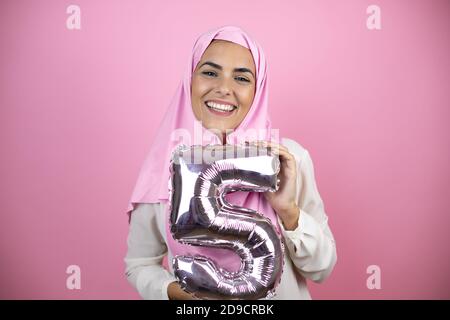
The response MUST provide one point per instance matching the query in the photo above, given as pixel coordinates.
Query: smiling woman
(223, 86)
(225, 90)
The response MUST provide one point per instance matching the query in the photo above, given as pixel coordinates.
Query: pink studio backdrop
(79, 109)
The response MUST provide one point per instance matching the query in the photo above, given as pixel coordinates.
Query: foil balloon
(200, 178)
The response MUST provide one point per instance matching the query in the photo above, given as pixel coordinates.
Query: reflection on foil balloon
(200, 215)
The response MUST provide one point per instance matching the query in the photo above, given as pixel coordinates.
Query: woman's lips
(220, 113)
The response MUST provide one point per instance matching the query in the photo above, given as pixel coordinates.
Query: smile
(220, 109)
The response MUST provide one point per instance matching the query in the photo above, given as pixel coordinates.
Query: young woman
(224, 91)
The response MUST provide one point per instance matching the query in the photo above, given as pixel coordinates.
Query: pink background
(79, 109)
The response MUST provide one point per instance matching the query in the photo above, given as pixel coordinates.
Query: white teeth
(220, 107)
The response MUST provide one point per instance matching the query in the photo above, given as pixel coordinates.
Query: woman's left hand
(283, 201)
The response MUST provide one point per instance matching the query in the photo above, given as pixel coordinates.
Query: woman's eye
(242, 79)
(208, 73)
(213, 74)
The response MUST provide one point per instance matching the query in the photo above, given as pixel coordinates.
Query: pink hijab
(152, 183)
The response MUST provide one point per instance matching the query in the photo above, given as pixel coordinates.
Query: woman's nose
(224, 87)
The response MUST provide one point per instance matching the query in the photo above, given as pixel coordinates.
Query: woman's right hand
(175, 292)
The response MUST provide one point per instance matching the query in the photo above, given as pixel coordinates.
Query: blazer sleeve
(311, 246)
(146, 250)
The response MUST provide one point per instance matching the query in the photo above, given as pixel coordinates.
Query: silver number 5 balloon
(200, 216)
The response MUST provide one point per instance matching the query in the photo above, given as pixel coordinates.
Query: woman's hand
(283, 201)
(175, 292)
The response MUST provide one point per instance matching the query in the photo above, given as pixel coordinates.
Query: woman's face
(223, 85)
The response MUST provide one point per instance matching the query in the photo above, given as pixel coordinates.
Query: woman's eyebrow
(215, 65)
